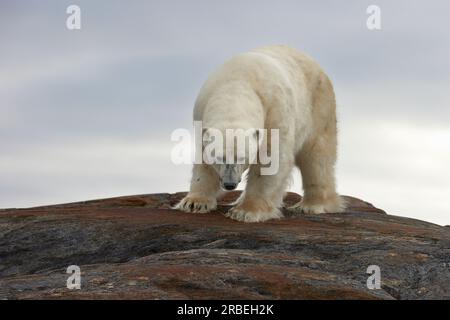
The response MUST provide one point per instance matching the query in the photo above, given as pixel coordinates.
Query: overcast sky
(88, 113)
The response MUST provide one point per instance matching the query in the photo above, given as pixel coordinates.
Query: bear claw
(246, 216)
(197, 204)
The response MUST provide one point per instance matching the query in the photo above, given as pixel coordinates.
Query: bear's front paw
(253, 211)
(196, 203)
(308, 208)
(328, 206)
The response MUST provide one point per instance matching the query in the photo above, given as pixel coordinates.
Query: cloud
(57, 173)
(400, 167)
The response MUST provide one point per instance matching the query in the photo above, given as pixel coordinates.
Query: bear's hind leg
(316, 162)
(202, 196)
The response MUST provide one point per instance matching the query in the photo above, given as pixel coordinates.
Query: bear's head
(230, 152)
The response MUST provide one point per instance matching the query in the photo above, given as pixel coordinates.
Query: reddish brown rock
(137, 247)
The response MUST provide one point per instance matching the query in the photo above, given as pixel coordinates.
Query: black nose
(229, 186)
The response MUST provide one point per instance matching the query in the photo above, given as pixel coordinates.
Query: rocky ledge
(136, 247)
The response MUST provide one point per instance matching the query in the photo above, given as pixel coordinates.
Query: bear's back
(264, 70)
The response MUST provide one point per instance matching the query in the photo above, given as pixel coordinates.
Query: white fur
(274, 87)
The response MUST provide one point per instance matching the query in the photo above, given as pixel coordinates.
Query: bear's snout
(229, 186)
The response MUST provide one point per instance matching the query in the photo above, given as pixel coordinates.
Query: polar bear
(273, 87)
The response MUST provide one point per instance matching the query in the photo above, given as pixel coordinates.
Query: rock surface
(136, 247)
